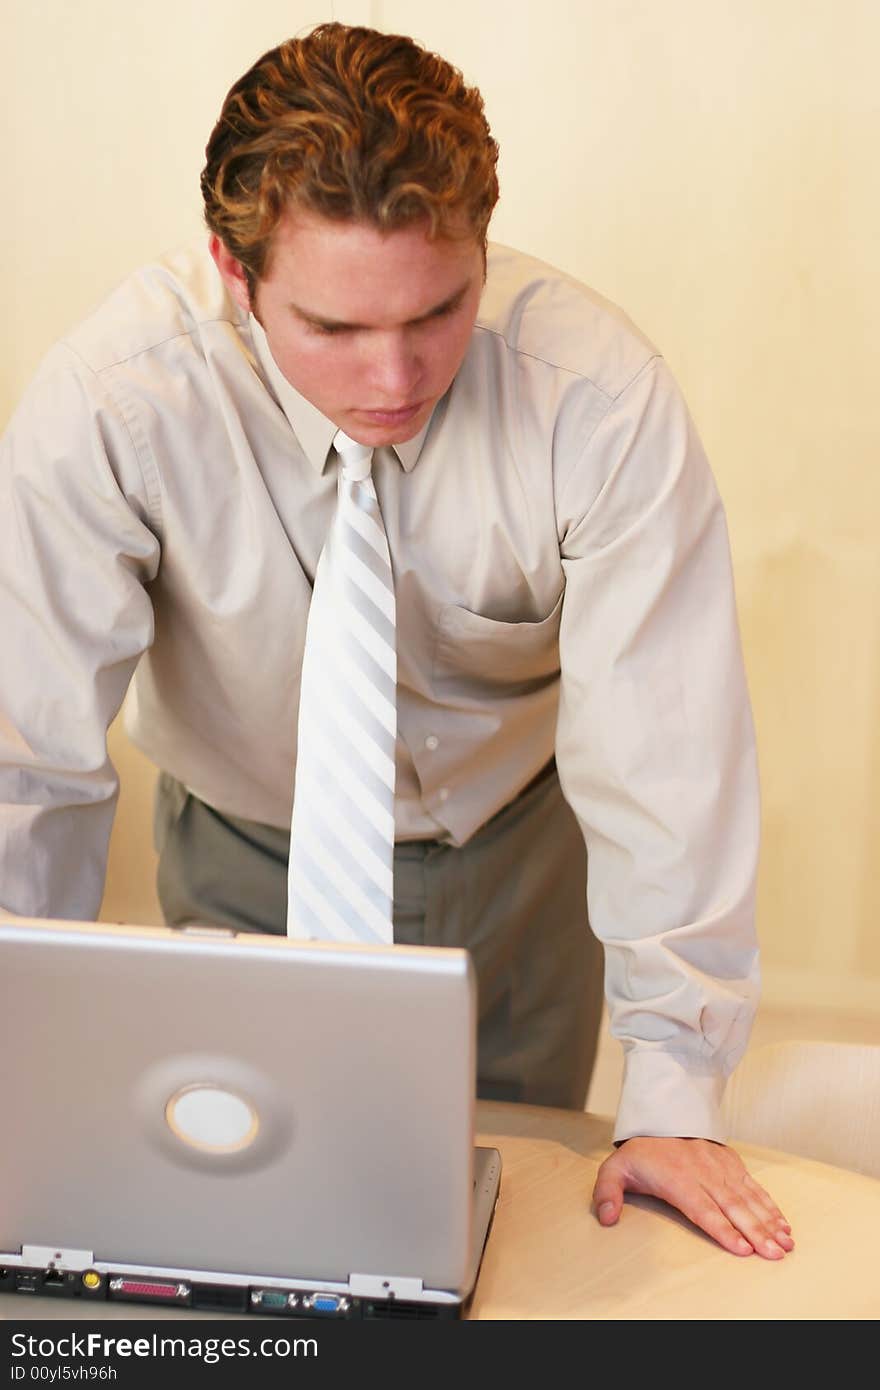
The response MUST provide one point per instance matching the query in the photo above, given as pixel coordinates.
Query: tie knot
(357, 459)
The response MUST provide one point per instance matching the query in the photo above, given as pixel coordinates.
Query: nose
(395, 369)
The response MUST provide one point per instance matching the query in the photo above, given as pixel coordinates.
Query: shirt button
(432, 742)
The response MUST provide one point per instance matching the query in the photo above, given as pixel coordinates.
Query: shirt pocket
(473, 654)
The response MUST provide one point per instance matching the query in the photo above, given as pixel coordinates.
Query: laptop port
(273, 1300)
(149, 1290)
(326, 1303)
(27, 1281)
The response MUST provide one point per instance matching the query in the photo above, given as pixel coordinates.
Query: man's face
(370, 327)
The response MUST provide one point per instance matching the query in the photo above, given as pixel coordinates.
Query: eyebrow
(450, 302)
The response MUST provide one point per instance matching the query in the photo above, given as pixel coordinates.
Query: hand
(708, 1182)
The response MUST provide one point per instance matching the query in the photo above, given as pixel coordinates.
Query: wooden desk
(548, 1257)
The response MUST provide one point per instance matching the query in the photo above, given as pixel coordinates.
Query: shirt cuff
(669, 1095)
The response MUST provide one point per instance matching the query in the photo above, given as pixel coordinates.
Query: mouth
(397, 416)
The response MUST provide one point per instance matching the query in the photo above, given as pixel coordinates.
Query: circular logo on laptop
(212, 1119)
(211, 1112)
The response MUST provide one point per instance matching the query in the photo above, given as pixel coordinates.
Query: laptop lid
(239, 1104)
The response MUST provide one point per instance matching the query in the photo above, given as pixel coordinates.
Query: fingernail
(606, 1209)
(785, 1239)
(743, 1247)
(772, 1248)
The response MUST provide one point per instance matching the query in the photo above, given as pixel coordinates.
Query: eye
(328, 330)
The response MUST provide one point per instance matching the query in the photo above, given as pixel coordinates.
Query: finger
(752, 1225)
(705, 1212)
(774, 1216)
(776, 1224)
(608, 1200)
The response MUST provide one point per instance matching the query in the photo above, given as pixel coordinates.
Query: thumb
(608, 1199)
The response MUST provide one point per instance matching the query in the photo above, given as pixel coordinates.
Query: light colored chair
(817, 1099)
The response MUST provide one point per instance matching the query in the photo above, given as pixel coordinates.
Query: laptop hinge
(54, 1257)
(384, 1286)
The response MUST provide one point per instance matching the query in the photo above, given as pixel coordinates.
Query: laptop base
(118, 1287)
(60, 1273)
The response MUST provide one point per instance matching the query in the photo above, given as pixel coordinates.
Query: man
(568, 664)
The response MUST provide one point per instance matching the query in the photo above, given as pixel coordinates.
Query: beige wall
(709, 164)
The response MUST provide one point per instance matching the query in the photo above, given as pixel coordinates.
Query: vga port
(326, 1303)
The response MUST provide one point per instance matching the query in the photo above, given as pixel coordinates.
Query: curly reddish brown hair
(351, 124)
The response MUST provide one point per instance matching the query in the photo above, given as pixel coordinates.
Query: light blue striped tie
(341, 870)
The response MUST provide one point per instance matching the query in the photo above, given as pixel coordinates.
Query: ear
(231, 273)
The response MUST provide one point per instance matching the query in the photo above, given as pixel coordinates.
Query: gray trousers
(514, 896)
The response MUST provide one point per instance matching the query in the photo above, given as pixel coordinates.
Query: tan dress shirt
(563, 585)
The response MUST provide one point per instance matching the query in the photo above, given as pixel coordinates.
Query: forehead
(355, 271)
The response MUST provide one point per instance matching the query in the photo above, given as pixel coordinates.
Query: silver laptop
(239, 1123)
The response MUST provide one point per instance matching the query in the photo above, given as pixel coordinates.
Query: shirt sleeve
(76, 550)
(656, 755)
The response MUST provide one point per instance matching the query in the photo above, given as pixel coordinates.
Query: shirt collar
(313, 430)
